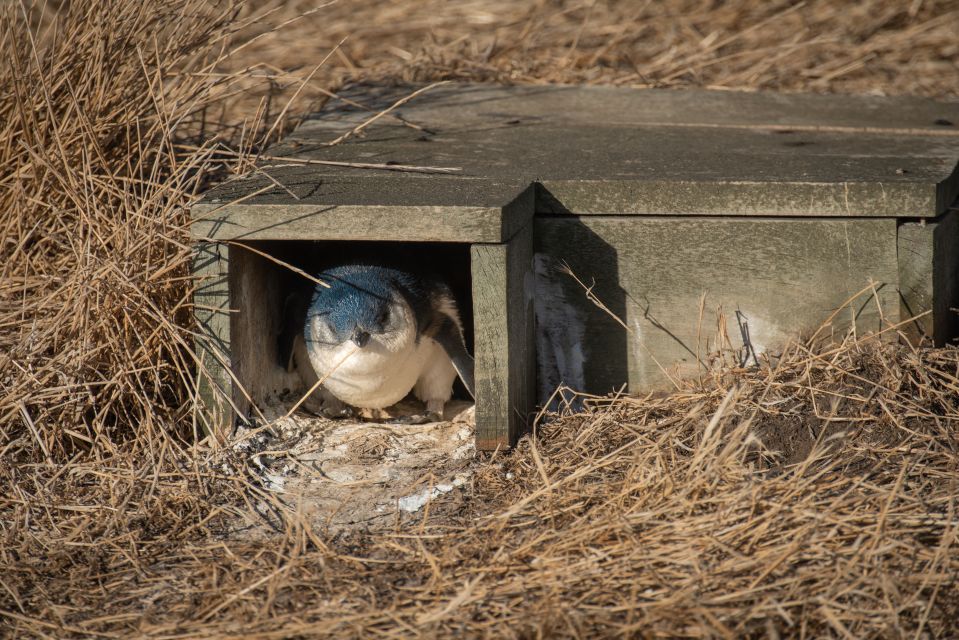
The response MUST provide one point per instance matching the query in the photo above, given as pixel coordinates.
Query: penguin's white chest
(375, 377)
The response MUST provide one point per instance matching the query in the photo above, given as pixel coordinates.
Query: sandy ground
(347, 474)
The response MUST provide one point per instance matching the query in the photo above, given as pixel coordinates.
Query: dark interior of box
(260, 286)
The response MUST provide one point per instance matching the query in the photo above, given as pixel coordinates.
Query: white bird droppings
(417, 501)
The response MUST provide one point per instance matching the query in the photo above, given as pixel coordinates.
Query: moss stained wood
(503, 325)
(772, 279)
(212, 313)
(607, 151)
(929, 277)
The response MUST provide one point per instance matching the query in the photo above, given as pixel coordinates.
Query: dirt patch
(791, 438)
(348, 474)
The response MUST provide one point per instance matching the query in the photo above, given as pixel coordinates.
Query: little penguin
(378, 333)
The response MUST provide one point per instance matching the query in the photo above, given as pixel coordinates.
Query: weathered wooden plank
(212, 311)
(677, 170)
(764, 280)
(916, 248)
(309, 222)
(661, 198)
(503, 326)
(669, 152)
(577, 105)
(379, 208)
(257, 295)
(745, 197)
(929, 277)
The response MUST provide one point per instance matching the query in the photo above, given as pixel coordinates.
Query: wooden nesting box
(683, 210)
(484, 233)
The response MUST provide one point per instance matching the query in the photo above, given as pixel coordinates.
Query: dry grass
(874, 46)
(646, 516)
(640, 516)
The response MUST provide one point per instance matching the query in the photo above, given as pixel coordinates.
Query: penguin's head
(362, 306)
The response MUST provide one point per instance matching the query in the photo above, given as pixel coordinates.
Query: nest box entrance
(246, 250)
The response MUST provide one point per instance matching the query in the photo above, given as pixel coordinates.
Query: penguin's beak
(360, 337)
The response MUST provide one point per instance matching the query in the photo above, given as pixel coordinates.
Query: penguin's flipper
(291, 327)
(450, 337)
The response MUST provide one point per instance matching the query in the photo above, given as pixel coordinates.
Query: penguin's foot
(344, 411)
(418, 418)
(433, 413)
(324, 404)
(408, 411)
(374, 415)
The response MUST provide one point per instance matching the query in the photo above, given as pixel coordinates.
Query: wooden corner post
(504, 340)
(212, 311)
(928, 254)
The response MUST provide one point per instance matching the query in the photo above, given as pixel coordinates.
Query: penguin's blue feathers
(360, 295)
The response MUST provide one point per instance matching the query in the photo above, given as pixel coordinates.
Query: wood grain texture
(657, 199)
(257, 299)
(916, 247)
(311, 206)
(212, 311)
(929, 277)
(503, 326)
(609, 151)
(469, 103)
(309, 222)
(764, 281)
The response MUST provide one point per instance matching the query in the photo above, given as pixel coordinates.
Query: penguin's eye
(384, 316)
